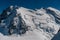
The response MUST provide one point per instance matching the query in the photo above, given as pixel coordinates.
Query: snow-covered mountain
(19, 23)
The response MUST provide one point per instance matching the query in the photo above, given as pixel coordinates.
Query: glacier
(19, 23)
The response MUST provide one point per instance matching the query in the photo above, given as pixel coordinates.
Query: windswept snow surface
(41, 23)
(35, 35)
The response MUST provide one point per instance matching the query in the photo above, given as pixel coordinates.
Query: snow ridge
(28, 24)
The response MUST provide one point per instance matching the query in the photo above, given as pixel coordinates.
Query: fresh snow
(41, 25)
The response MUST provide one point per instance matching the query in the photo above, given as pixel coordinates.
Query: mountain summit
(39, 24)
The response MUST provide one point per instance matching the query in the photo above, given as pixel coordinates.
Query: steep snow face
(55, 13)
(32, 25)
(40, 20)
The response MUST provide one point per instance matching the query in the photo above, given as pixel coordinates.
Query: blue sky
(32, 4)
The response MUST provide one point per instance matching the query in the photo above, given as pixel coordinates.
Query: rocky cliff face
(19, 20)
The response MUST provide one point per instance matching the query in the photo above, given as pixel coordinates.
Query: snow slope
(19, 23)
